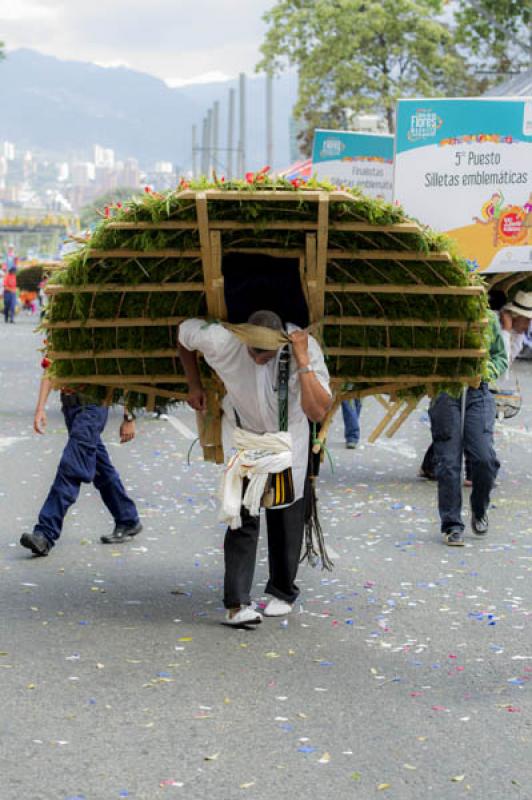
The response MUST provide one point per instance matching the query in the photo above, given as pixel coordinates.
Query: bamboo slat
(405, 288)
(120, 380)
(115, 322)
(122, 252)
(406, 322)
(273, 225)
(398, 227)
(398, 380)
(400, 352)
(388, 255)
(116, 353)
(124, 287)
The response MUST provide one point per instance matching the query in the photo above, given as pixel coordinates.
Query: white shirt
(252, 388)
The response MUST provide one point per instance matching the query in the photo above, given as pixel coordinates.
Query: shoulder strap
(284, 374)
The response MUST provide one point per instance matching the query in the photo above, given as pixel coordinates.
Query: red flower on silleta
(45, 363)
(119, 204)
(250, 177)
(147, 189)
(264, 171)
(296, 182)
(107, 212)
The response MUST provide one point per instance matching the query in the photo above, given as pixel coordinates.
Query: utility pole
(230, 132)
(269, 119)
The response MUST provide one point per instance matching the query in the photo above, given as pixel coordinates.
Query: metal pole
(269, 120)
(208, 153)
(230, 132)
(204, 145)
(194, 150)
(215, 132)
(242, 126)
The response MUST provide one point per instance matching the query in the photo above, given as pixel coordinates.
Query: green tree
(357, 56)
(92, 213)
(496, 33)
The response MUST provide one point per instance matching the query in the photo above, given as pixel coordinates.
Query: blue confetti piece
(326, 663)
(306, 749)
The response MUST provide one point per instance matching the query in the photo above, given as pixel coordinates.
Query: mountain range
(60, 109)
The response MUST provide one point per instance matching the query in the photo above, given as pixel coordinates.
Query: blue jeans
(10, 302)
(351, 413)
(446, 422)
(84, 460)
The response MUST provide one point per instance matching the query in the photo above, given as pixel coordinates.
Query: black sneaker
(454, 537)
(479, 524)
(36, 542)
(121, 533)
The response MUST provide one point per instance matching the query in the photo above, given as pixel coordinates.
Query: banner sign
(362, 160)
(464, 166)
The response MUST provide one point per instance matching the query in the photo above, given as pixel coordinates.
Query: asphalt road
(403, 674)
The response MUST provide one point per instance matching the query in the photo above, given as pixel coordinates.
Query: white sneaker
(246, 616)
(277, 608)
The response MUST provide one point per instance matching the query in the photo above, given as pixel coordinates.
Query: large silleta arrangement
(395, 311)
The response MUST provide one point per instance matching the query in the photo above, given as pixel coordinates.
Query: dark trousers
(10, 301)
(285, 539)
(84, 460)
(449, 446)
(428, 464)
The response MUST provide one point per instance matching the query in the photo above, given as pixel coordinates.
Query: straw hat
(520, 305)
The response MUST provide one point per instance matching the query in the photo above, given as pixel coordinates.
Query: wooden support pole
(374, 435)
(321, 255)
(217, 275)
(410, 406)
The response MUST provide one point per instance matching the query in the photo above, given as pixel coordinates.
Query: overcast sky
(176, 40)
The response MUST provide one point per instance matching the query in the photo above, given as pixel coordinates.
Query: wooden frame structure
(319, 251)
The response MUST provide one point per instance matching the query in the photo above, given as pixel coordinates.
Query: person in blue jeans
(351, 413)
(465, 425)
(84, 460)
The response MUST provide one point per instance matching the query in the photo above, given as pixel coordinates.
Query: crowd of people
(277, 383)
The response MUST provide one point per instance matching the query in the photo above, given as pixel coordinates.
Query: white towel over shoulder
(257, 455)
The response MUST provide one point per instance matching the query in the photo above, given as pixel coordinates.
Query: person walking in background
(10, 295)
(351, 413)
(465, 424)
(84, 460)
